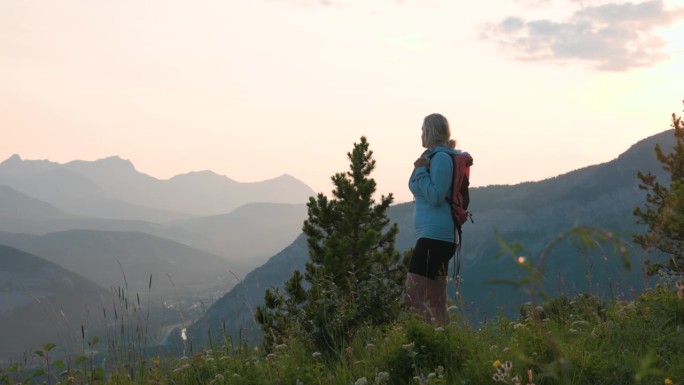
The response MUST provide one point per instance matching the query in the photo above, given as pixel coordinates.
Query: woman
(430, 183)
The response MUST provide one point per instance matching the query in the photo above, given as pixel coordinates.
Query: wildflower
(493, 347)
(668, 381)
(518, 326)
(408, 346)
(440, 371)
(496, 364)
(316, 354)
(452, 308)
(516, 380)
(521, 259)
(382, 378)
(497, 377)
(572, 330)
(256, 349)
(361, 381)
(370, 346)
(439, 329)
(270, 356)
(281, 347)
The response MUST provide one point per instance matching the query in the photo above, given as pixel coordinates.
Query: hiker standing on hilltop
(431, 183)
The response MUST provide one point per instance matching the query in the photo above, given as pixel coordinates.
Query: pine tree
(355, 276)
(664, 210)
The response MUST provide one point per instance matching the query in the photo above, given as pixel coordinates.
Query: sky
(253, 89)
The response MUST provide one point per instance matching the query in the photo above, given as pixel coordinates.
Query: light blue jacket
(432, 211)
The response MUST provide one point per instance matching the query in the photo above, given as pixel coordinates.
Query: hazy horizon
(254, 89)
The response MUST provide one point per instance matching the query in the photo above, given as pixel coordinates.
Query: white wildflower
(281, 347)
(382, 378)
(361, 381)
(316, 354)
(408, 346)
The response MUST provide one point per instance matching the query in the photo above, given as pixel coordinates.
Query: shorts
(431, 257)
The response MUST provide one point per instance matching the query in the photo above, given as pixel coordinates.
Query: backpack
(460, 199)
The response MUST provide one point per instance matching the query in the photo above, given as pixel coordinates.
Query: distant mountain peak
(12, 160)
(201, 175)
(116, 161)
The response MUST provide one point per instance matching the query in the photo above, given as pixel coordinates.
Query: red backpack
(460, 198)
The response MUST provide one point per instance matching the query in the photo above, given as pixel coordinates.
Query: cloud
(611, 37)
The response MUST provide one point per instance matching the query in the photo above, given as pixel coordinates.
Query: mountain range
(112, 188)
(202, 248)
(178, 244)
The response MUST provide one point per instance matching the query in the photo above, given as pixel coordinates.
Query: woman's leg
(437, 296)
(417, 288)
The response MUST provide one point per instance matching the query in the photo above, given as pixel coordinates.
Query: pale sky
(253, 89)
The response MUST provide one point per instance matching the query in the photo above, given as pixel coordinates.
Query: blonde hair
(437, 131)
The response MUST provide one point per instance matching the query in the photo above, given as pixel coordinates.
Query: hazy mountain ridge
(113, 188)
(15, 205)
(531, 213)
(42, 302)
(254, 232)
(127, 259)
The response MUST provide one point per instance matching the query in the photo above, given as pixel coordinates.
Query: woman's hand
(421, 162)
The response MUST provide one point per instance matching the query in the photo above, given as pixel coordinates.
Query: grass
(584, 339)
(579, 340)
